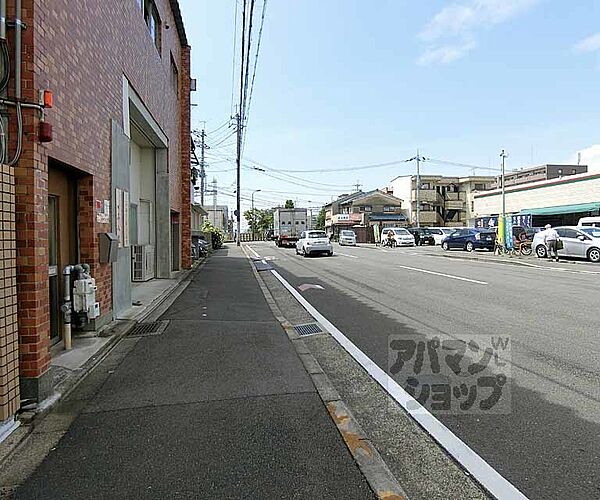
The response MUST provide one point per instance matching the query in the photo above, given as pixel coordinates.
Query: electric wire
(260, 31)
(234, 65)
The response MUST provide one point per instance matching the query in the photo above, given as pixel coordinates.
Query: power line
(234, 54)
(260, 31)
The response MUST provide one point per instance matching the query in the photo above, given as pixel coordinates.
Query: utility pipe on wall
(67, 308)
(18, 27)
(2, 19)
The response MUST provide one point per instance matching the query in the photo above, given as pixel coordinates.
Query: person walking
(550, 240)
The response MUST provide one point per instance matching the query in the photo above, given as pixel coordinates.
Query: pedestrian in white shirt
(550, 239)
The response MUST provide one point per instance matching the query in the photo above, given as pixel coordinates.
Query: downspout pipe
(18, 48)
(3, 19)
(82, 271)
(67, 307)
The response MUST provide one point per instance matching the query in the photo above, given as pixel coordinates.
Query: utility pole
(418, 188)
(253, 220)
(503, 155)
(358, 185)
(202, 169)
(418, 159)
(239, 172)
(214, 193)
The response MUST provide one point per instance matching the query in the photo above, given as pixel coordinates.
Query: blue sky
(347, 83)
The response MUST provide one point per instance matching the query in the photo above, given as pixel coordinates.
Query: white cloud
(589, 44)
(590, 157)
(445, 54)
(454, 27)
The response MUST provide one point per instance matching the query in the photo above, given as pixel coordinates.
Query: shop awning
(563, 209)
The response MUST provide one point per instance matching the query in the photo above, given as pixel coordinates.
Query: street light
(253, 214)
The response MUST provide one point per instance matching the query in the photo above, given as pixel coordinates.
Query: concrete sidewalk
(217, 406)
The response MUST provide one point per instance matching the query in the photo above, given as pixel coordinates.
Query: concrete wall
(584, 188)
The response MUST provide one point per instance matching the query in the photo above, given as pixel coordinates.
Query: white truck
(288, 225)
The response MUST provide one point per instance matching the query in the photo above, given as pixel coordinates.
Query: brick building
(118, 163)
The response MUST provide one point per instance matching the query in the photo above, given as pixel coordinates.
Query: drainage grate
(308, 329)
(145, 329)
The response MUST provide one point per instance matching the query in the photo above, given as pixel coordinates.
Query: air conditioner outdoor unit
(142, 262)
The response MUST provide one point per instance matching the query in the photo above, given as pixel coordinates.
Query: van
(589, 221)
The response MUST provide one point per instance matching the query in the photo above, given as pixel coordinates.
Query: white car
(314, 242)
(401, 236)
(582, 242)
(347, 238)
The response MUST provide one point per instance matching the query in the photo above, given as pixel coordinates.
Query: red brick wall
(186, 233)
(81, 50)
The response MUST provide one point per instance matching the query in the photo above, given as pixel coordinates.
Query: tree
(320, 223)
(289, 204)
(259, 220)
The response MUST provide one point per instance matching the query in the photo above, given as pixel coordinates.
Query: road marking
(483, 472)
(451, 276)
(253, 251)
(308, 286)
(347, 255)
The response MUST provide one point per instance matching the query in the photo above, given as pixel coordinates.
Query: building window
(389, 208)
(365, 208)
(152, 21)
(479, 187)
(174, 75)
(573, 171)
(425, 185)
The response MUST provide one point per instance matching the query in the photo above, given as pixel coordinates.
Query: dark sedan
(423, 235)
(470, 239)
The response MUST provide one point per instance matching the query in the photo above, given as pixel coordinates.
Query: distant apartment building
(361, 211)
(443, 201)
(539, 173)
(218, 216)
(107, 158)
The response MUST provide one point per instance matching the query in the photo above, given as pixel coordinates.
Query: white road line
(347, 255)
(451, 276)
(253, 251)
(483, 472)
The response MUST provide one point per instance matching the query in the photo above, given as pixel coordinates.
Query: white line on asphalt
(347, 255)
(253, 251)
(451, 276)
(483, 472)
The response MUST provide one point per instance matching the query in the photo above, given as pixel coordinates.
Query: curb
(117, 330)
(367, 458)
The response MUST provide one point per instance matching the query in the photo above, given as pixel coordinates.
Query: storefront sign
(516, 220)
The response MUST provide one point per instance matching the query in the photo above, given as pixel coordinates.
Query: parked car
(578, 241)
(423, 235)
(439, 233)
(401, 235)
(314, 242)
(347, 238)
(589, 221)
(470, 239)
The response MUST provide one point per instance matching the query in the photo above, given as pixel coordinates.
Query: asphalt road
(547, 440)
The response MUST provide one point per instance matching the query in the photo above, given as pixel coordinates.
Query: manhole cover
(308, 329)
(145, 329)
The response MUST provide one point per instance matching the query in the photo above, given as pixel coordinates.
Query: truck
(288, 224)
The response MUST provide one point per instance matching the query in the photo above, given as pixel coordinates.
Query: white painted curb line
(484, 473)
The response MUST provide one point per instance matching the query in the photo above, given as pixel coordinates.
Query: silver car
(578, 241)
(314, 242)
(347, 238)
